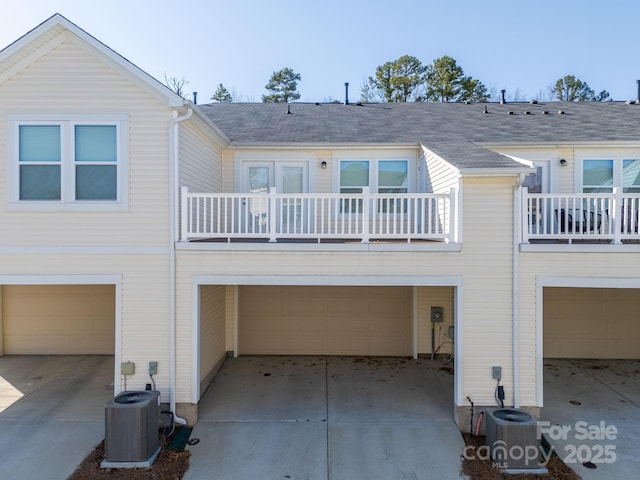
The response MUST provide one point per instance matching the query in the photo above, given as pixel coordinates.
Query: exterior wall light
(324, 164)
(563, 162)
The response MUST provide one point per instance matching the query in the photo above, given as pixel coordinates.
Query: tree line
(407, 79)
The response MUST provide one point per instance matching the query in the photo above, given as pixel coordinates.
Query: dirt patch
(169, 465)
(485, 469)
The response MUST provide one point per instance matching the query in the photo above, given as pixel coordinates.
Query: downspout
(517, 197)
(173, 236)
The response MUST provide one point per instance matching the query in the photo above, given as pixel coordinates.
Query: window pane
(393, 173)
(533, 181)
(292, 179)
(597, 173)
(39, 143)
(631, 175)
(96, 182)
(39, 182)
(96, 143)
(354, 173)
(258, 179)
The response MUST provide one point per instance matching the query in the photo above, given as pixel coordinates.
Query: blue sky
(522, 46)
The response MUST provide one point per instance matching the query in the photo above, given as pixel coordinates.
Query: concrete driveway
(51, 413)
(327, 418)
(593, 410)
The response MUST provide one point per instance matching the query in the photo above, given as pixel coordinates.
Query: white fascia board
(324, 146)
(523, 161)
(563, 144)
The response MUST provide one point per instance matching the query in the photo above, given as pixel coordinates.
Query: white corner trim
(195, 342)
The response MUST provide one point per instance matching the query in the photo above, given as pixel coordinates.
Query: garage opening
(596, 323)
(325, 320)
(322, 320)
(57, 319)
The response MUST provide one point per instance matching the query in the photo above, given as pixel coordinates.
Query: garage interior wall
(325, 320)
(591, 323)
(58, 319)
(435, 297)
(213, 311)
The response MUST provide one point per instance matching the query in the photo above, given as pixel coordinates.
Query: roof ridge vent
(560, 112)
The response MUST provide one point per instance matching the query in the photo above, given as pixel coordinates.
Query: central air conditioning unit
(131, 429)
(512, 438)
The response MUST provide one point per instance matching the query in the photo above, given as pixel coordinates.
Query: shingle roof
(454, 131)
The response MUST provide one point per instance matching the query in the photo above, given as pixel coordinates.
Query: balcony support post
(366, 215)
(184, 214)
(272, 215)
(617, 216)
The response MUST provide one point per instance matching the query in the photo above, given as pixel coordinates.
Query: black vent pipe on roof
(346, 93)
(195, 98)
(638, 97)
(502, 100)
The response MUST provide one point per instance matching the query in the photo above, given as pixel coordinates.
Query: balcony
(313, 217)
(587, 217)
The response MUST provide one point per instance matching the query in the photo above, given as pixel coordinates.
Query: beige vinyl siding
(231, 314)
(212, 331)
(325, 320)
(58, 319)
(228, 170)
(591, 323)
(488, 285)
(435, 297)
(68, 80)
(566, 175)
(200, 158)
(440, 176)
(324, 183)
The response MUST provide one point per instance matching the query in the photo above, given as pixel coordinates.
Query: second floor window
(602, 175)
(386, 177)
(381, 176)
(68, 162)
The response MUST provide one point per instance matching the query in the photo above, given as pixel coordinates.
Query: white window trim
(374, 160)
(68, 202)
(618, 158)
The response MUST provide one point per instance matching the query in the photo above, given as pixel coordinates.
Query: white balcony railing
(344, 217)
(580, 216)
